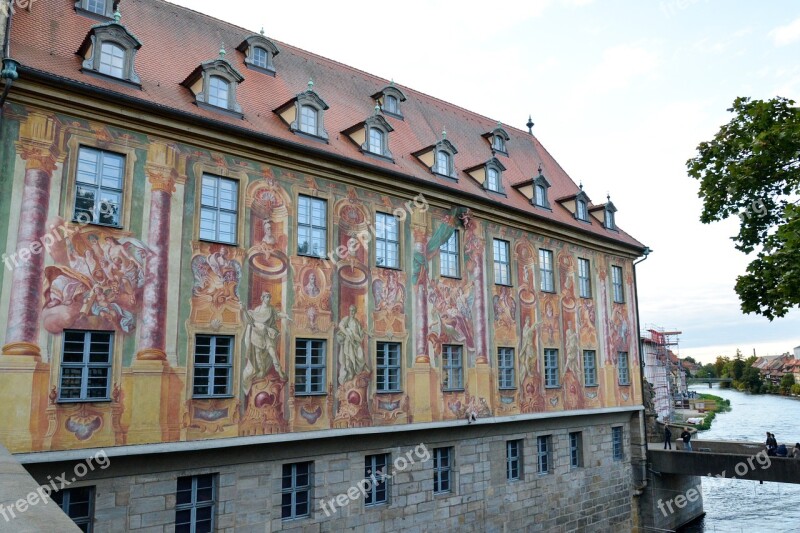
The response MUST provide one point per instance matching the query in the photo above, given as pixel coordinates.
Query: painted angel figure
(388, 294)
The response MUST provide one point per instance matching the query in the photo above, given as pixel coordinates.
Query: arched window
(390, 104)
(112, 60)
(376, 141)
(218, 92)
(260, 57)
(443, 163)
(493, 180)
(498, 143)
(308, 120)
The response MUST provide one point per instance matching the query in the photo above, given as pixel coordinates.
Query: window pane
(218, 91)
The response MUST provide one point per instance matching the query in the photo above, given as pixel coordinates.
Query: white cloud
(784, 35)
(619, 67)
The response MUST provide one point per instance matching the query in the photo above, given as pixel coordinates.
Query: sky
(621, 93)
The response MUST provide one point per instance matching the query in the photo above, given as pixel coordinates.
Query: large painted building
(258, 280)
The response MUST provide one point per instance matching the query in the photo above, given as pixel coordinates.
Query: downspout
(642, 430)
(9, 72)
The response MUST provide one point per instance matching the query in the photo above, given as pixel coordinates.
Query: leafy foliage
(751, 169)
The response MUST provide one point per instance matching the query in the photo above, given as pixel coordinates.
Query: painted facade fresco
(157, 286)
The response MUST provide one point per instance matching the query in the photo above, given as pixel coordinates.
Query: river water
(747, 506)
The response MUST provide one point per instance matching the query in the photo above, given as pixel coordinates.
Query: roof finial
(310, 85)
(581, 185)
(530, 125)
(262, 31)
(540, 168)
(377, 108)
(117, 15)
(444, 133)
(391, 82)
(608, 196)
(222, 51)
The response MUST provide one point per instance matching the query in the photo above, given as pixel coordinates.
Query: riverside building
(256, 277)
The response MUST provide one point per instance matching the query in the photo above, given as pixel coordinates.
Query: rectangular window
(213, 365)
(513, 460)
(449, 260)
(589, 368)
(387, 241)
(584, 278)
(375, 470)
(616, 280)
(502, 263)
(98, 187)
(442, 470)
(576, 449)
(296, 483)
(505, 368)
(616, 441)
(623, 369)
(78, 504)
(388, 366)
(312, 226)
(219, 209)
(543, 454)
(309, 370)
(547, 282)
(453, 366)
(550, 367)
(96, 6)
(195, 504)
(86, 365)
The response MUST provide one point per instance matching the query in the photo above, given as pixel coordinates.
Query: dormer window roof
(497, 139)
(214, 84)
(535, 190)
(390, 99)
(110, 49)
(439, 158)
(489, 175)
(96, 9)
(305, 114)
(259, 53)
(372, 135)
(606, 214)
(578, 205)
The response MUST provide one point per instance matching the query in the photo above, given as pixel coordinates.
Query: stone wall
(137, 493)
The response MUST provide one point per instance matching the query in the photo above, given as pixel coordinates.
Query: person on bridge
(772, 444)
(687, 439)
(796, 451)
(667, 437)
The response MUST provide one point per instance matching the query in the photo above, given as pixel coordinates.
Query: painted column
(163, 175)
(421, 299)
(36, 145)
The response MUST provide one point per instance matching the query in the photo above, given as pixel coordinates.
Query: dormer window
(439, 158)
(110, 49)
(497, 139)
(606, 213)
(581, 207)
(214, 85)
(259, 53)
(580, 210)
(541, 195)
(97, 9)
(444, 163)
(376, 141)
(540, 186)
(389, 100)
(305, 114)
(372, 135)
(490, 175)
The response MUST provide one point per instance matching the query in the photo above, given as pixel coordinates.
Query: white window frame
(584, 278)
(217, 209)
(493, 179)
(551, 371)
(101, 205)
(304, 120)
(617, 283)
(112, 64)
(310, 376)
(502, 262)
(317, 234)
(453, 367)
(387, 240)
(216, 95)
(443, 163)
(547, 279)
(193, 505)
(258, 57)
(86, 365)
(213, 369)
(623, 368)
(450, 257)
(581, 212)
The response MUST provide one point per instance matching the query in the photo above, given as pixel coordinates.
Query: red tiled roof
(175, 40)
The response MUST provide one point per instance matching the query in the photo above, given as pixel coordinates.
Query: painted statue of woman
(351, 352)
(260, 338)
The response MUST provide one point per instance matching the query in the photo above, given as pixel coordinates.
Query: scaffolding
(663, 368)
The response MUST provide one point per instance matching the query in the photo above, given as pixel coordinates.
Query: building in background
(663, 370)
(256, 278)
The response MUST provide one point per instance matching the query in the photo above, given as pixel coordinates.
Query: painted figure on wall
(101, 288)
(527, 350)
(216, 277)
(311, 288)
(351, 351)
(260, 336)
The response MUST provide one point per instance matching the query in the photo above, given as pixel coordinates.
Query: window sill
(498, 193)
(98, 224)
(507, 388)
(399, 391)
(449, 277)
(114, 79)
(545, 207)
(398, 116)
(624, 384)
(504, 284)
(219, 397)
(584, 221)
(300, 394)
(552, 387)
(267, 71)
(311, 136)
(312, 256)
(587, 297)
(399, 269)
(84, 400)
(222, 110)
(453, 390)
(381, 157)
(232, 244)
(620, 303)
(92, 15)
(592, 386)
(547, 292)
(445, 176)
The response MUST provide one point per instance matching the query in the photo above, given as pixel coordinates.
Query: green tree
(719, 365)
(751, 379)
(751, 169)
(737, 366)
(786, 383)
